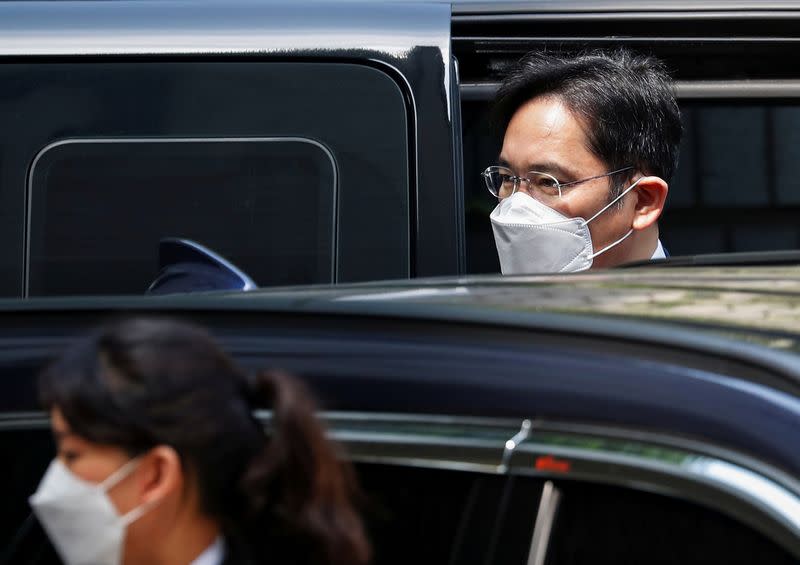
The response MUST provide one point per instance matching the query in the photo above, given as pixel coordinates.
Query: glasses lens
(543, 186)
(499, 181)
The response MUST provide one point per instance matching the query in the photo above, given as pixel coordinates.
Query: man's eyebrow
(561, 173)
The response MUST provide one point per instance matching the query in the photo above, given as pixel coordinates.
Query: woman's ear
(651, 193)
(161, 474)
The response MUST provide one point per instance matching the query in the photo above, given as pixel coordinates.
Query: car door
(305, 143)
(481, 441)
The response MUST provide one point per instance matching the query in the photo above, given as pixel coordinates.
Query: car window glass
(735, 187)
(93, 208)
(99, 208)
(606, 524)
(429, 515)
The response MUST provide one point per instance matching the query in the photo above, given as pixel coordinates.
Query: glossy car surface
(642, 416)
(328, 125)
(117, 104)
(667, 387)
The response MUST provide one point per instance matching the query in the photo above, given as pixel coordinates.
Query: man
(590, 145)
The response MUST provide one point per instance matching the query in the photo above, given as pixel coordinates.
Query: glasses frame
(518, 180)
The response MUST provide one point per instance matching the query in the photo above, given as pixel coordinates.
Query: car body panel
(408, 42)
(527, 347)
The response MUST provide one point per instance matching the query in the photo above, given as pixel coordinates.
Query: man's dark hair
(626, 101)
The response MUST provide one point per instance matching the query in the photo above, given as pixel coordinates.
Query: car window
(255, 161)
(100, 207)
(430, 515)
(607, 524)
(734, 189)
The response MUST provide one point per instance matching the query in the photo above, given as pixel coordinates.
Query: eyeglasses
(502, 182)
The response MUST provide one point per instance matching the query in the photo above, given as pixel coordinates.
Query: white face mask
(80, 518)
(533, 238)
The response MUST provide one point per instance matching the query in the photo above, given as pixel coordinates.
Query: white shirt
(213, 554)
(659, 252)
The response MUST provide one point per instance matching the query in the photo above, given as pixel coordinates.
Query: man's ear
(651, 193)
(161, 474)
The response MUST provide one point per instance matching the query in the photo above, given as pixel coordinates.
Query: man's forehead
(544, 130)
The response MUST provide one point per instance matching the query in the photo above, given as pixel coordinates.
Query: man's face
(543, 135)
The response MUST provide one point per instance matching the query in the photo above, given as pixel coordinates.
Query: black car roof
(573, 348)
(762, 301)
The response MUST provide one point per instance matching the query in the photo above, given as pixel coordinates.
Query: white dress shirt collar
(659, 252)
(213, 554)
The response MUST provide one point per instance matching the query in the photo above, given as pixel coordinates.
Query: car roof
(754, 304)
(578, 348)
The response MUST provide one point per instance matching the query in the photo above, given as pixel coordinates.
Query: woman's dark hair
(144, 382)
(626, 101)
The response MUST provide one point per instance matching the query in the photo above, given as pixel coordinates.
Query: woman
(160, 460)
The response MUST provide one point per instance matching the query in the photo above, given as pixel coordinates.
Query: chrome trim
(512, 443)
(424, 463)
(751, 492)
(545, 517)
(662, 440)
(684, 90)
(133, 140)
(393, 417)
(744, 494)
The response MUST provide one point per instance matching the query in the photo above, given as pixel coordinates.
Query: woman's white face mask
(534, 238)
(80, 518)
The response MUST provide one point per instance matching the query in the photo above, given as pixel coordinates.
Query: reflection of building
(738, 184)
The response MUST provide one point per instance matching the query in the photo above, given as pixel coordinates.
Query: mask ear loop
(115, 478)
(606, 207)
(138, 512)
(610, 204)
(607, 247)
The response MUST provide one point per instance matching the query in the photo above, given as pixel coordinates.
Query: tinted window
(99, 208)
(359, 117)
(735, 189)
(430, 515)
(604, 524)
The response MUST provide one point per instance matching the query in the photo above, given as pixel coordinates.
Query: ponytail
(299, 494)
(284, 496)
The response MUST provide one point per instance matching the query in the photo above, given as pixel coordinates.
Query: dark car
(642, 416)
(639, 416)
